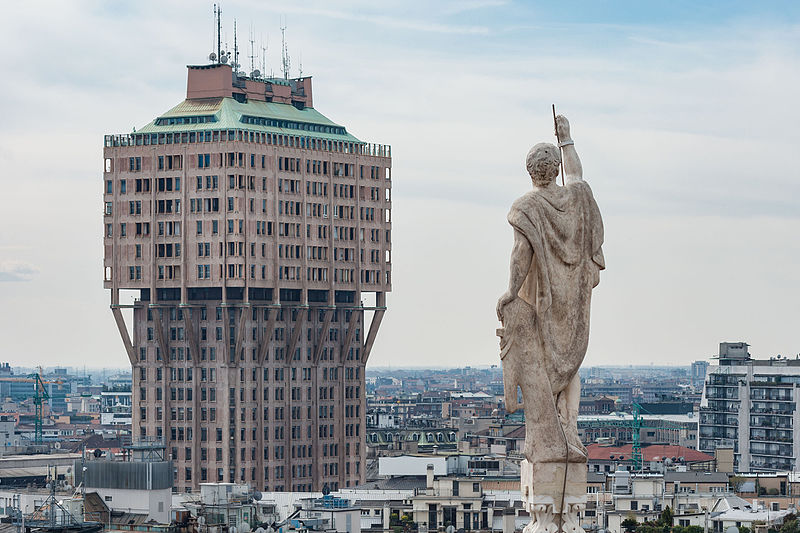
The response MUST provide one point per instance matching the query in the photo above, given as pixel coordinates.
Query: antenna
(252, 55)
(219, 34)
(216, 57)
(264, 55)
(300, 67)
(235, 50)
(213, 34)
(285, 61)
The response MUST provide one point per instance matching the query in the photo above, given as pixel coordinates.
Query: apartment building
(752, 405)
(255, 234)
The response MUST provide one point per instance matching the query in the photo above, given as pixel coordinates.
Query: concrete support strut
(123, 332)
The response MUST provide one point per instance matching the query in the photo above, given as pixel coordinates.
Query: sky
(684, 114)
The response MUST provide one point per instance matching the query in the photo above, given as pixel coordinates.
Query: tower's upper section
(217, 99)
(245, 189)
(219, 81)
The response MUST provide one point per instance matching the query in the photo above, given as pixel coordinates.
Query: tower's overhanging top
(217, 99)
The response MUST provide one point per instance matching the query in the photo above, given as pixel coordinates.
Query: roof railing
(323, 145)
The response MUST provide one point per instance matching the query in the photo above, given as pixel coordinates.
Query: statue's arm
(573, 171)
(521, 256)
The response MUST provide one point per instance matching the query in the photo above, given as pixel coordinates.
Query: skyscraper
(253, 230)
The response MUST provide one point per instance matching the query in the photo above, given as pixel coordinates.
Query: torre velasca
(256, 234)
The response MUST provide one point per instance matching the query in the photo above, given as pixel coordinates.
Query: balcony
(782, 422)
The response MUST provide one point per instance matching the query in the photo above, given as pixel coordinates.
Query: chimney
(429, 476)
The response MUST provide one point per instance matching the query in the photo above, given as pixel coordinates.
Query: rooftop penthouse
(223, 106)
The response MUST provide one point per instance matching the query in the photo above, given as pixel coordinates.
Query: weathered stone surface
(555, 264)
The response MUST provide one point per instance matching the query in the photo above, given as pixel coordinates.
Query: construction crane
(40, 396)
(635, 425)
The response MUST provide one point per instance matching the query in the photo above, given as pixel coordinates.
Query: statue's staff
(563, 431)
(560, 148)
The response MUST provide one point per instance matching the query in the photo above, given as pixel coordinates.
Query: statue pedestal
(541, 487)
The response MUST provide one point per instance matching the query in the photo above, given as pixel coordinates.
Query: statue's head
(542, 163)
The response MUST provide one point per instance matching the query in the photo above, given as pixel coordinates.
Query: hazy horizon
(683, 114)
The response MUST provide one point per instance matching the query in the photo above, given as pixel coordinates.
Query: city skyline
(700, 247)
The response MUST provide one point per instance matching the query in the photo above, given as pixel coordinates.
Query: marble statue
(555, 264)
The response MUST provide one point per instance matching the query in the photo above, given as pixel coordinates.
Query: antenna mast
(285, 61)
(219, 33)
(252, 55)
(235, 50)
(263, 57)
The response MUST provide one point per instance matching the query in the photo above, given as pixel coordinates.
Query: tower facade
(253, 229)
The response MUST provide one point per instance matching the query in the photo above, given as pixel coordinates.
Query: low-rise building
(655, 457)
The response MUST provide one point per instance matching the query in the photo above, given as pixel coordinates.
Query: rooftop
(210, 114)
(217, 99)
(599, 452)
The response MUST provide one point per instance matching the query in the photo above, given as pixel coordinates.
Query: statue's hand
(562, 127)
(504, 300)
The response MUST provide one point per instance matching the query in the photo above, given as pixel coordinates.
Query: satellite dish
(257, 496)
(212, 56)
(255, 74)
(223, 58)
(57, 445)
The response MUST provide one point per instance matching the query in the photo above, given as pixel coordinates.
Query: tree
(666, 517)
(629, 524)
(790, 526)
(736, 482)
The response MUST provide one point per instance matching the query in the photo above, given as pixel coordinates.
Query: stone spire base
(541, 487)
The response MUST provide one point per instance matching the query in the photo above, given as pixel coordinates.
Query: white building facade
(752, 405)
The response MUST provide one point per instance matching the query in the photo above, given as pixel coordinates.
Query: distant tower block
(254, 230)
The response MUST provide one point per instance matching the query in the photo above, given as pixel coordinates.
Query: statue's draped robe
(547, 329)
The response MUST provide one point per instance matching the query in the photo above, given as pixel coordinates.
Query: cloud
(17, 271)
(687, 133)
(391, 21)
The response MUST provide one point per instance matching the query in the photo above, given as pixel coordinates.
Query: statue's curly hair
(542, 163)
